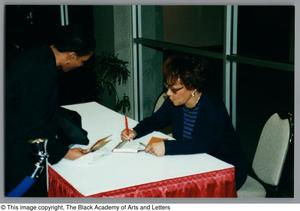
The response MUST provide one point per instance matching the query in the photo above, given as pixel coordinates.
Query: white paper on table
(88, 159)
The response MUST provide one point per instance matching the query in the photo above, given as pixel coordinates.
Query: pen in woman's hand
(141, 143)
(126, 125)
(144, 145)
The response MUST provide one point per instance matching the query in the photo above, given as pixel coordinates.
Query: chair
(160, 100)
(269, 158)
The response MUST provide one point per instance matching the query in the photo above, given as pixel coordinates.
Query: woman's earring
(193, 93)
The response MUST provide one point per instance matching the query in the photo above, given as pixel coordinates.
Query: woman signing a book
(200, 123)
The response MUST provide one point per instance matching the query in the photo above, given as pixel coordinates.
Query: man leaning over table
(200, 123)
(32, 109)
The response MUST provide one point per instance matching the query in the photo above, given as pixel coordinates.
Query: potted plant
(109, 71)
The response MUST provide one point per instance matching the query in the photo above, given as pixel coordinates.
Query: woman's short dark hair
(74, 38)
(191, 70)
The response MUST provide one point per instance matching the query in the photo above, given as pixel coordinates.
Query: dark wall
(29, 26)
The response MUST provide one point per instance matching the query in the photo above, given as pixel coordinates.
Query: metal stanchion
(39, 147)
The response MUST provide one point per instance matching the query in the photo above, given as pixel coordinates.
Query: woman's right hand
(127, 136)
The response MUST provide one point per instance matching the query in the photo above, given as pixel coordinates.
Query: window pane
(194, 26)
(266, 32)
(215, 77)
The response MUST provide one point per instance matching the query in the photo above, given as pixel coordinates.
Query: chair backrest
(272, 149)
(160, 100)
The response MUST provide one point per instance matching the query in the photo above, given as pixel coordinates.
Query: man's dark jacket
(32, 111)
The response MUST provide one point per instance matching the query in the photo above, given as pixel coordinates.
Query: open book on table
(138, 145)
(128, 146)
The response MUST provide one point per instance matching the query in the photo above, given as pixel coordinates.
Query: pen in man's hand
(126, 126)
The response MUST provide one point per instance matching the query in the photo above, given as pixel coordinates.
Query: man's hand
(75, 153)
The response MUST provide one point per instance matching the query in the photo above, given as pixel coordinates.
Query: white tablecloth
(103, 170)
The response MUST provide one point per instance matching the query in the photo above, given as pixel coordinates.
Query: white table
(104, 173)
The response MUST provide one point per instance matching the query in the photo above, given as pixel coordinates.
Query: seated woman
(200, 123)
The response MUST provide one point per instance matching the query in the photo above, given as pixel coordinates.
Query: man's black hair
(74, 38)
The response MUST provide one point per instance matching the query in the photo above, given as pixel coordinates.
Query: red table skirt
(219, 183)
